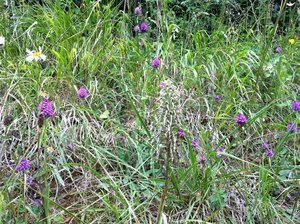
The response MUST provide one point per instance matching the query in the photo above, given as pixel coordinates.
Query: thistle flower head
(155, 62)
(144, 28)
(240, 119)
(269, 153)
(82, 93)
(295, 105)
(45, 108)
(137, 11)
(23, 165)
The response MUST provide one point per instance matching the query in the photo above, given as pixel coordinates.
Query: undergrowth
(150, 143)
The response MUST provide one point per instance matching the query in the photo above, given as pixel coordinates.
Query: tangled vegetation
(149, 111)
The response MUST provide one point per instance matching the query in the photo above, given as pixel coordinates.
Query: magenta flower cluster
(201, 159)
(291, 127)
(45, 108)
(268, 151)
(295, 105)
(23, 165)
(137, 11)
(278, 50)
(181, 133)
(144, 27)
(219, 152)
(142, 45)
(82, 93)
(162, 85)
(155, 62)
(217, 98)
(240, 119)
(29, 180)
(195, 143)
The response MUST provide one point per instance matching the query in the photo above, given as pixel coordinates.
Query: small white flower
(2, 41)
(290, 4)
(35, 55)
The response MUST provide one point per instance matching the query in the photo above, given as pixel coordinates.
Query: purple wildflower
(213, 147)
(291, 127)
(70, 146)
(278, 50)
(181, 133)
(82, 93)
(29, 180)
(45, 108)
(216, 97)
(194, 143)
(155, 62)
(269, 153)
(36, 202)
(137, 11)
(144, 28)
(142, 45)
(137, 29)
(201, 159)
(23, 165)
(162, 85)
(219, 151)
(295, 105)
(240, 119)
(265, 146)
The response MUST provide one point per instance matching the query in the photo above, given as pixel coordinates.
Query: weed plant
(109, 114)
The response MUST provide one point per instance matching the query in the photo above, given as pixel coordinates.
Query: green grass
(116, 157)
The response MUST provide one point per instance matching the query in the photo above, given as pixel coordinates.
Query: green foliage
(115, 156)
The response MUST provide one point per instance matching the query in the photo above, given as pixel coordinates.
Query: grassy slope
(91, 167)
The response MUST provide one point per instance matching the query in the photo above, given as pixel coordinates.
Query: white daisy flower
(35, 55)
(2, 41)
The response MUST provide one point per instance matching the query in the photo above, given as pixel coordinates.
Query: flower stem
(167, 182)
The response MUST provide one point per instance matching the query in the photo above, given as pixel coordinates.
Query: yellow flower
(43, 94)
(50, 149)
(35, 55)
(291, 41)
(2, 41)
